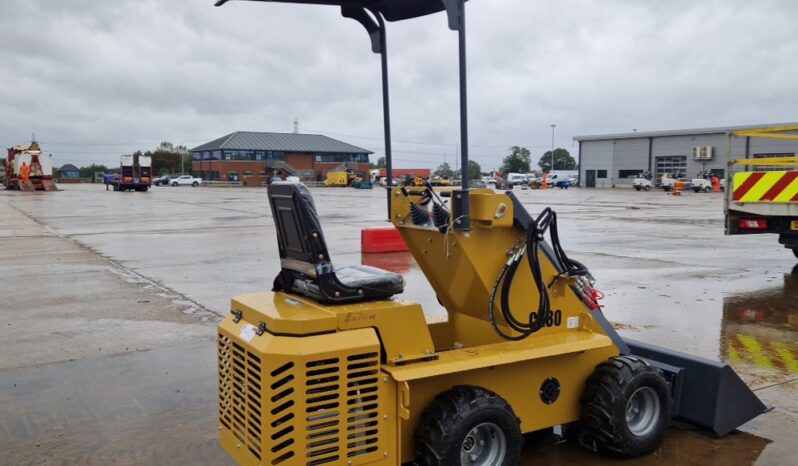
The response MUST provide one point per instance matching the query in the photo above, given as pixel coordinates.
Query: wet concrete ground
(108, 303)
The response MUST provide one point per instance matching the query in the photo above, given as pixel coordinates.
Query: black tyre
(625, 408)
(195, 184)
(638, 188)
(468, 426)
(795, 251)
(174, 184)
(647, 188)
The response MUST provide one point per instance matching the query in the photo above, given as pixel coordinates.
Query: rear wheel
(195, 184)
(468, 426)
(174, 184)
(646, 188)
(625, 408)
(707, 189)
(638, 188)
(795, 251)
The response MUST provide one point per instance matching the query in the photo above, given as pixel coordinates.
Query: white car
(516, 179)
(185, 180)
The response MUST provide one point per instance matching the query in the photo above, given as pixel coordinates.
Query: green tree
(444, 171)
(517, 161)
(474, 170)
(562, 160)
(380, 163)
(89, 171)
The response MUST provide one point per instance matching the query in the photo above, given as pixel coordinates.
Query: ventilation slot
(323, 411)
(362, 405)
(282, 400)
(240, 396)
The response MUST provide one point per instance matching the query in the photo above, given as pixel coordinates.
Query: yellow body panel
(291, 400)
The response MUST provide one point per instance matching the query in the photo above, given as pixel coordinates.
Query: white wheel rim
(484, 445)
(643, 411)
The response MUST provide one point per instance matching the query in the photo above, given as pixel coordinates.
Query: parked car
(185, 180)
(162, 181)
(516, 179)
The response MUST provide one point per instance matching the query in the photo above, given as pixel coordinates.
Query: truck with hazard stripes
(764, 192)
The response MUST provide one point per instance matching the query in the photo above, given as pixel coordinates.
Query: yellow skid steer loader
(329, 368)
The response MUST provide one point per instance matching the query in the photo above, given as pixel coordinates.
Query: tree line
(518, 160)
(167, 159)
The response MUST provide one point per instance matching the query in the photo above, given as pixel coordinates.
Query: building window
(247, 173)
(262, 173)
(601, 173)
(629, 173)
(341, 157)
(232, 175)
(217, 155)
(674, 166)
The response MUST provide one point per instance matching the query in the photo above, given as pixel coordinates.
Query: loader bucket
(49, 185)
(705, 393)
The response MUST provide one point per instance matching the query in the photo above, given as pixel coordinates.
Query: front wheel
(638, 188)
(647, 188)
(468, 426)
(174, 184)
(795, 251)
(696, 190)
(625, 408)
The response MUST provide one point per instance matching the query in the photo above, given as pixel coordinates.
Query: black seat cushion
(306, 265)
(363, 276)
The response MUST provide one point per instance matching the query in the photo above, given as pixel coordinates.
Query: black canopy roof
(392, 10)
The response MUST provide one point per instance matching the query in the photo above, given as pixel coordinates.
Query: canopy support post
(379, 44)
(455, 10)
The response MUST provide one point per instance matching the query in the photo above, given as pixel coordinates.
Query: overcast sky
(94, 79)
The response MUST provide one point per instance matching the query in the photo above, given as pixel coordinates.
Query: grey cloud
(136, 71)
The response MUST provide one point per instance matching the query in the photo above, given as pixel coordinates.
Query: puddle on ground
(759, 331)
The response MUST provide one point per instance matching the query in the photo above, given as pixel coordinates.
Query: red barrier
(382, 239)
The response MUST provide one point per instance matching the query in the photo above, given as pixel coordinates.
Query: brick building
(253, 157)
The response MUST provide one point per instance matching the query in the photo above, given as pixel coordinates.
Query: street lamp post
(552, 147)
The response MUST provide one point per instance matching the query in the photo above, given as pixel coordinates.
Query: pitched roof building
(253, 157)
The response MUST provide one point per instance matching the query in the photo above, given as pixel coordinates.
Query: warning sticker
(573, 322)
(248, 332)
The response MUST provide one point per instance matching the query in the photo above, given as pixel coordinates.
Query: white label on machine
(573, 322)
(247, 332)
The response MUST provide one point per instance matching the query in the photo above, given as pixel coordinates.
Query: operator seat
(306, 266)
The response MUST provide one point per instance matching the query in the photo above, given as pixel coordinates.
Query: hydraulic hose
(547, 220)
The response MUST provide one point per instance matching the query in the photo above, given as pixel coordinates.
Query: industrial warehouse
(614, 160)
(254, 157)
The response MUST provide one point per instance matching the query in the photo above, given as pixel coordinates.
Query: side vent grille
(362, 404)
(323, 412)
(282, 415)
(240, 398)
(315, 402)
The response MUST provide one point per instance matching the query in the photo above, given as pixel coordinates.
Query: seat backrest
(299, 235)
